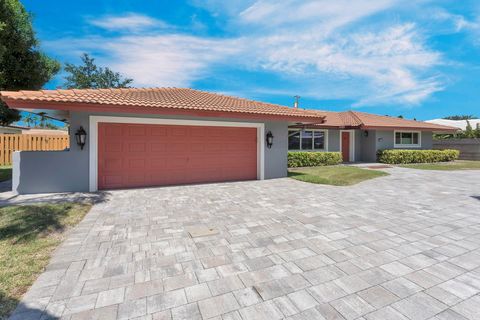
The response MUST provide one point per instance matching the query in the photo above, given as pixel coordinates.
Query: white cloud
(171, 60)
(131, 22)
(325, 15)
(322, 48)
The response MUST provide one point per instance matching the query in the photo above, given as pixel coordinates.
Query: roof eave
(129, 109)
(436, 130)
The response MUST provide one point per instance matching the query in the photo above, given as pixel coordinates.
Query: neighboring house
(166, 136)
(32, 131)
(12, 129)
(45, 132)
(461, 124)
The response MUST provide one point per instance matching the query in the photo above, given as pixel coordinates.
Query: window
(407, 139)
(306, 140)
(293, 140)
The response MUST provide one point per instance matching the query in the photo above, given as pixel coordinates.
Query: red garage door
(140, 155)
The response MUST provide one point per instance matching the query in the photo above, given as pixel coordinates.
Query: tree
(22, 65)
(52, 126)
(400, 116)
(469, 133)
(460, 117)
(30, 119)
(89, 75)
(43, 119)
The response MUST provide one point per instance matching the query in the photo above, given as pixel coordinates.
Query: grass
(5, 173)
(447, 166)
(28, 235)
(334, 175)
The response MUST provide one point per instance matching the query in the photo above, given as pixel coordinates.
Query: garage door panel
(113, 147)
(175, 162)
(178, 131)
(112, 164)
(113, 131)
(113, 179)
(136, 164)
(157, 163)
(136, 147)
(158, 147)
(158, 131)
(136, 155)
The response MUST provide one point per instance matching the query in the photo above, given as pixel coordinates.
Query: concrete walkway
(406, 246)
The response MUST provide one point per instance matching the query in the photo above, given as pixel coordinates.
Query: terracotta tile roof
(355, 119)
(168, 98)
(373, 121)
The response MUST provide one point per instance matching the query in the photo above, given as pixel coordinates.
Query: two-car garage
(147, 154)
(145, 137)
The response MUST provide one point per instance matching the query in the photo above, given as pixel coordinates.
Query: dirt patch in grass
(334, 175)
(28, 236)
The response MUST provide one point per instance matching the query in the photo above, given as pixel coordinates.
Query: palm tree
(30, 119)
(43, 119)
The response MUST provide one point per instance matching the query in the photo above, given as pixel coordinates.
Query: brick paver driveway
(400, 247)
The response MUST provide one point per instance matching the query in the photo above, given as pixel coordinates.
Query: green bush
(416, 156)
(313, 159)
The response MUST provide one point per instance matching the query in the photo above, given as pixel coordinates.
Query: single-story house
(123, 138)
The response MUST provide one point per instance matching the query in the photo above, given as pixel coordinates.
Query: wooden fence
(22, 142)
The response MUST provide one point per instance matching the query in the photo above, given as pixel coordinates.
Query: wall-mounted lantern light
(365, 133)
(269, 139)
(81, 137)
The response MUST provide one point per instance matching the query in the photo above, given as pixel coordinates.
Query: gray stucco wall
(358, 146)
(276, 160)
(385, 140)
(333, 140)
(58, 171)
(47, 171)
(367, 146)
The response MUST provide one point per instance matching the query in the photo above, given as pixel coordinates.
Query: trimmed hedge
(416, 156)
(312, 159)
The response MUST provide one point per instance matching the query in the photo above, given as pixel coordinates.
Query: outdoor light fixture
(269, 139)
(365, 133)
(81, 137)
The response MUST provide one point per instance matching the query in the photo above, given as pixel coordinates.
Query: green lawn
(28, 235)
(449, 166)
(334, 175)
(5, 173)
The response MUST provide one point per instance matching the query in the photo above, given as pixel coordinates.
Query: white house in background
(32, 131)
(461, 124)
(11, 130)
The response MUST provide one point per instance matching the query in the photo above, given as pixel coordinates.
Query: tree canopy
(461, 117)
(89, 76)
(22, 65)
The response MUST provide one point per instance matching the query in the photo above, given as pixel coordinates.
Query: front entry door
(346, 146)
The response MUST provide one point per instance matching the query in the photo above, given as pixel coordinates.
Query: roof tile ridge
(354, 114)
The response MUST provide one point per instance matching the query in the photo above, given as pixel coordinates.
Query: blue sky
(415, 58)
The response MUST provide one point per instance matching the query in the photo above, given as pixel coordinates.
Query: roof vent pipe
(295, 104)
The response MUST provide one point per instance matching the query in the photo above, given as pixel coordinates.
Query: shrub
(416, 156)
(313, 159)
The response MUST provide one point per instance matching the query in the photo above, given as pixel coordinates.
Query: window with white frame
(407, 139)
(307, 140)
